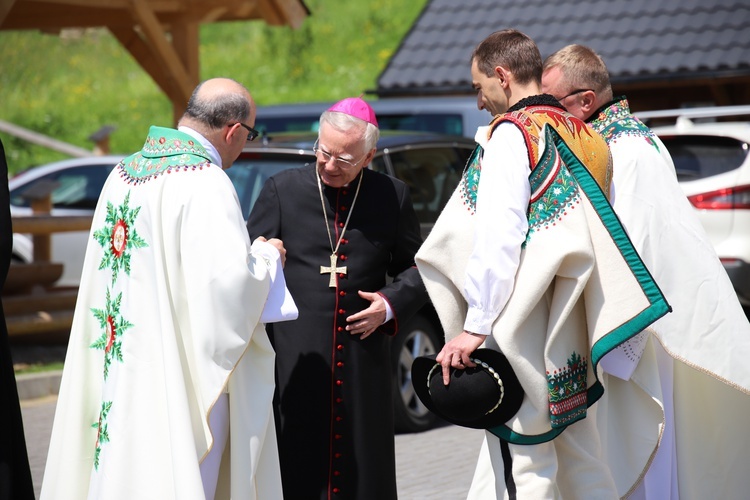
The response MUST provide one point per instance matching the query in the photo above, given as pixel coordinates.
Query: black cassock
(333, 402)
(15, 476)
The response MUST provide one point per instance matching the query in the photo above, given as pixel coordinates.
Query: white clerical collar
(212, 152)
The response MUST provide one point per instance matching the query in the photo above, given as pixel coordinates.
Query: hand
(278, 244)
(367, 320)
(456, 353)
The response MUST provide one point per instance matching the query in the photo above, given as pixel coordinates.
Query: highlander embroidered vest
(586, 144)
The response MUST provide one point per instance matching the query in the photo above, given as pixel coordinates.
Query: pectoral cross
(332, 270)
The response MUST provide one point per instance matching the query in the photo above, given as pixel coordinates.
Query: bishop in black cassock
(333, 402)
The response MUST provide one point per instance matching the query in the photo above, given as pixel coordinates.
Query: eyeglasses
(577, 91)
(340, 162)
(252, 133)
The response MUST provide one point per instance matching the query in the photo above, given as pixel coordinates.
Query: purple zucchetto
(356, 107)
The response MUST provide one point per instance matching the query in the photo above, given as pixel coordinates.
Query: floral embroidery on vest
(567, 392)
(118, 237)
(583, 141)
(470, 179)
(554, 191)
(616, 121)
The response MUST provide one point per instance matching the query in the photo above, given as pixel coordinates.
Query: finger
(457, 361)
(446, 373)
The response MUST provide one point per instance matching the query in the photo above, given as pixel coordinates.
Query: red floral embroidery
(111, 333)
(119, 238)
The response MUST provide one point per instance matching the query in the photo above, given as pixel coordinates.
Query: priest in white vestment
(691, 365)
(168, 380)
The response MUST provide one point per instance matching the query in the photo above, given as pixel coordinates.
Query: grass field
(69, 86)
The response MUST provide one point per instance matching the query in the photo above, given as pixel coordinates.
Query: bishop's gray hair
(345, 122)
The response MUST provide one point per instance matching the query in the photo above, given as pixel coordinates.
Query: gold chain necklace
(332, 270)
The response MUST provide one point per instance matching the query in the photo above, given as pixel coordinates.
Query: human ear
(503, 75)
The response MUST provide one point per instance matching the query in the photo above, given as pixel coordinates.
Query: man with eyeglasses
(691, 362)
(169, 364)
(346, 229)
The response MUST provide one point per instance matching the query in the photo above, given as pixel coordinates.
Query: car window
(297, 123)
(699, 156)
(432, 175)
(445, 123)
(250, 172)
(75, 187)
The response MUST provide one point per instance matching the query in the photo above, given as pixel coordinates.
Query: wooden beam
(48, 224)
(163, 50)
(41, 322)
(26, 276)
(25, 15)
(186, 43)
(269, 10)
(144, 56)
(279, 12)
(31, 303)
(5, 7)
(159, 5)
(53, 15)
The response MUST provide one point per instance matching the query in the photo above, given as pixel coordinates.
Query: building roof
(641, 41)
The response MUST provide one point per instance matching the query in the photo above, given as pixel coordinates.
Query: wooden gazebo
(162, 35)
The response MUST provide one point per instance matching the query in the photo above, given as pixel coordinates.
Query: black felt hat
(481, 397)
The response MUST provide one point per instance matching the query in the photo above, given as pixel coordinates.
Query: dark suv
(431, 164)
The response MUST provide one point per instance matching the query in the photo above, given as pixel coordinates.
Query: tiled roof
(639, 40)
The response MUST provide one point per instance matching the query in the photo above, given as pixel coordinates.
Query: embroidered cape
(580, 289)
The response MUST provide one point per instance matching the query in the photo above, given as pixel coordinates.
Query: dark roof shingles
(636, 38)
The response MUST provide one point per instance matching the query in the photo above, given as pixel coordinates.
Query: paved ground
(432, 465)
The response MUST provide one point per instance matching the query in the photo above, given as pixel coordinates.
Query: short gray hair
(345, 122)
(217, 110)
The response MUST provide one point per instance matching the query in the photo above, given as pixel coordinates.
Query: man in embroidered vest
(168, 361)
(691, 365)
(528, 258)
(346, 228)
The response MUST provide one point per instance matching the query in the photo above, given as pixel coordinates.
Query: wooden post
(40, 194)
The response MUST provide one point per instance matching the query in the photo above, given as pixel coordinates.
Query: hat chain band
(485, 366)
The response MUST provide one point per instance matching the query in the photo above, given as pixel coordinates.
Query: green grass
(69, 86)
(38, 368)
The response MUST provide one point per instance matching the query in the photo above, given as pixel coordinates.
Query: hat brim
(422, 368)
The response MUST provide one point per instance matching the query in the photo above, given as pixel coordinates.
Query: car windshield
(250, 172)
(699, 156)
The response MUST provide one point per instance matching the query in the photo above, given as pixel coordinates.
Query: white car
(78, 183)
(713, 167)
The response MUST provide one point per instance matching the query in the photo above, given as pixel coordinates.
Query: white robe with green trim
(167, 319)
(694, 361)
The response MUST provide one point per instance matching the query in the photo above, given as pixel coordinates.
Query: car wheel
(419, 338)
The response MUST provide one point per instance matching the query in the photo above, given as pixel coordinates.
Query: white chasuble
(167, 319)
(695, 359)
